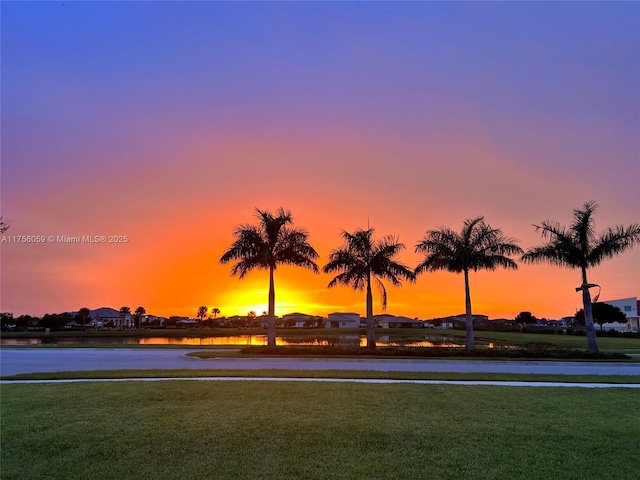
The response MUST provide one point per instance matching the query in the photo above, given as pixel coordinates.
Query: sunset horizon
(137, 136)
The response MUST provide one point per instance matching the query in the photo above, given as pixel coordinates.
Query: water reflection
(244, 340)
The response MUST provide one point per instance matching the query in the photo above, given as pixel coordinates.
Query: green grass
(607, 344)
(187, 373)
(259, 430)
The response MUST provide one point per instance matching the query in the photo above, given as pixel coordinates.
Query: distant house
(105, 315)
(392, 321)
(628, 306)
(297, 320)
(461, 320)
(342, 320)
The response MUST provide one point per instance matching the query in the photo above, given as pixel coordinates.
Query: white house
(630, 307)
(342, 320)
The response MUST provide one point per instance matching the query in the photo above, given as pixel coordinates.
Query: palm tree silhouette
(216, 312)
(578, 246)
(363, 259)
(124, 311)
(138, 314)
(202, 312)
(84, 313)
(271, 243)
(478, 246)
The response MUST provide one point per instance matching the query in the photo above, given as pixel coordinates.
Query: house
(298, 320)
(458, 320)
(108, 316)
(628, 306)
(391, 321)
(342, 320)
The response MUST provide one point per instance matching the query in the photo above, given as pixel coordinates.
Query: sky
(170, 122)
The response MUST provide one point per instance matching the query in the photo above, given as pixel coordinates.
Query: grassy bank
(265, 430)
(279, 373)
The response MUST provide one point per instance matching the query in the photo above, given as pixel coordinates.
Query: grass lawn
(273, 430)
(280, 373)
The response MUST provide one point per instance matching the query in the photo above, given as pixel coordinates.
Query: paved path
(29, 360)
(340, 380)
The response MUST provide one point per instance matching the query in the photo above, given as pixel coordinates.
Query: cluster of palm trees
(202, 312)
(363, 260)
(137, 315)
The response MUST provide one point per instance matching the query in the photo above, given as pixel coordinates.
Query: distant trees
(602, 313)
(578, 246)
(363, 260)
(83, 314)
(55, 321)
(272, 242)
(478, 246)
(202, 312)
(138, 314)
(124, 311)
(524, 318)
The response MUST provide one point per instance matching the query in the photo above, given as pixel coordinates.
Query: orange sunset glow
(173, 131)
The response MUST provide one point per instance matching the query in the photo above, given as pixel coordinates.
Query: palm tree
(124, 311)
(138, 314)
(202, 312)
(271, 243)
(478, 246)
(216, 312)
(363, 259)
(83, 313)
(578, 246)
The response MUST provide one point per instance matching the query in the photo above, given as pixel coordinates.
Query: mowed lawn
(287, 430)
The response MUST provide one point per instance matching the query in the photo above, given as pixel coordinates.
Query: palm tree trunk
(592, 343)
(470, 341)
(271, 319)
(371, 332)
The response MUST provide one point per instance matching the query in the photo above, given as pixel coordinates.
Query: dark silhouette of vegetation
(602, 313)
(271, 243)
(364, 259)
(138, 314)
(124, 311)
(83, 314)
(525, 318)
(202, 312)
(477, 247)
(579, 247)
(4, 225)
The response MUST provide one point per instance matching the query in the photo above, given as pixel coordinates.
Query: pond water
(243, 340)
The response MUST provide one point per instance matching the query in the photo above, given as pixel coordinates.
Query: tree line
(364, 260)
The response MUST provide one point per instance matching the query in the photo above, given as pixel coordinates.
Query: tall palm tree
(124, 311)
(271, 243)
(202, 312)
(84, 313)
(478, 246)
(578, 246)
(138, 314)
(363, 259)
(216, 312)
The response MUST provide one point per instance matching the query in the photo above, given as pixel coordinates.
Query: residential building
(392, 321)
(628, 306)
(342, 320)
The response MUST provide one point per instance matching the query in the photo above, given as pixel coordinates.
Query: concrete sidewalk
(341, 380)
